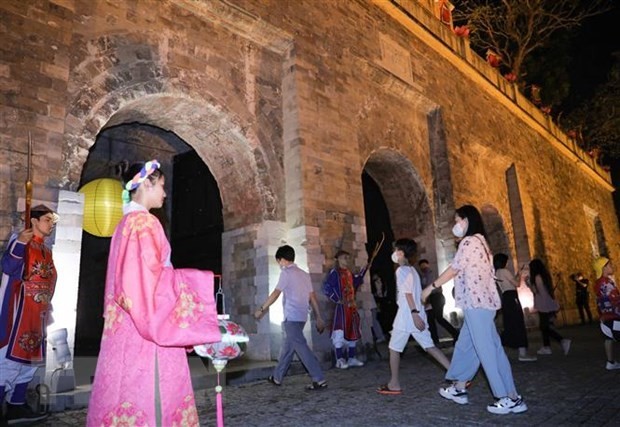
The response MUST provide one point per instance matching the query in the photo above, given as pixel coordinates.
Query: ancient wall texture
(288, 102)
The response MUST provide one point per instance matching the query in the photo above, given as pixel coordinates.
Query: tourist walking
(436, 303)
(296, 286)
(410, 318)
(539, 281)
(514, 334)
(478, 342)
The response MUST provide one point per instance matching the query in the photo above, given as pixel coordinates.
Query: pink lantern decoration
(232, 345)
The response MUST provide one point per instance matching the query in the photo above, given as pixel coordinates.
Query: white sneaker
(506, 405)
(610, 366)
(341, 364)
(527, 358)
(565, 345)
(454, 394)
(544, 350)
(354, 362)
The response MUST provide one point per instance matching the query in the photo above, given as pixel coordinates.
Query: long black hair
(474, 220)
(537, 268)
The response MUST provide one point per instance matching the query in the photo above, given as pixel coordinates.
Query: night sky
(594, 44)
(593, 48)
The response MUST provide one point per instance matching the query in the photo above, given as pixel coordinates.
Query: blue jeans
(295, 342)
(479, 343)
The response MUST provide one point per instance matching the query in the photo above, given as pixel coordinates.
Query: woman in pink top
(478, 342)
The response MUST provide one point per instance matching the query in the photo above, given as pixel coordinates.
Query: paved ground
(559, 390)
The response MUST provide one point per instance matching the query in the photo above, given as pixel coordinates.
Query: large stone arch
(218, 126)
(127, 78)
(248, 195)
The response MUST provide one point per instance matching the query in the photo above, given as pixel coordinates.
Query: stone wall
(287, 102)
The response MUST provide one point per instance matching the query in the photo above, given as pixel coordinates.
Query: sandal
(317, 385)
(385, 390)
(273, 381)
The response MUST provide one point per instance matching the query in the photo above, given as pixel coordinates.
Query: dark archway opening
(197, 222)
(378, 222)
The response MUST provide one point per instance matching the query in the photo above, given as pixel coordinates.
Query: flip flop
(385, 390)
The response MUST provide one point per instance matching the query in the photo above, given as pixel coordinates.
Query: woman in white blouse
(478, 342)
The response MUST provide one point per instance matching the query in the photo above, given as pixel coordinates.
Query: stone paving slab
(559, 390)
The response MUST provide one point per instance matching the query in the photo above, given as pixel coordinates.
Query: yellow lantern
(103, 206)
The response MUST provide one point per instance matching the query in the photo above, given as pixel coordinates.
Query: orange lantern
(103, 206)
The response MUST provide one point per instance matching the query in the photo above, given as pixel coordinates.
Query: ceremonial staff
(376, 250)
(28, 183)
(28, 202)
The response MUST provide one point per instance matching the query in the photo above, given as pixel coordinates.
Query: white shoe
(354, 362)
(610, 366)
(527, 358)
(454, 394)
(341, 364)
(565, 346)
(506, 405)
(544, 350)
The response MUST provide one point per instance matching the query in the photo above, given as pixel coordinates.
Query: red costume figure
(26, 290)
(340, 288)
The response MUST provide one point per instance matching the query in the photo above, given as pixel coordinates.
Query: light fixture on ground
(61, 377)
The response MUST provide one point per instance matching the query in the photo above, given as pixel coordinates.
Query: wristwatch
(415, 310)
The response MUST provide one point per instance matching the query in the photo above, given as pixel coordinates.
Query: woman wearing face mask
(478, 342)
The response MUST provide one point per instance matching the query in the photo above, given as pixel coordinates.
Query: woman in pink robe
(152, 313)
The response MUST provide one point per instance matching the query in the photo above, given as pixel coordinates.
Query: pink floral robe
(152, 314)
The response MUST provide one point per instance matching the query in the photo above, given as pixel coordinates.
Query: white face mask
(459, 230)
(394, 257)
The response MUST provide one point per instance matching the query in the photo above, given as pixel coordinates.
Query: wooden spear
(28, 184)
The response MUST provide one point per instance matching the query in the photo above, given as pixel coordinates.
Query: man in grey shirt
(296, 286)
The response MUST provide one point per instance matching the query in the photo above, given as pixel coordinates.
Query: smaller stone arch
(405, 196)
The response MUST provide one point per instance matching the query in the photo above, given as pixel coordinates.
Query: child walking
(410, 318)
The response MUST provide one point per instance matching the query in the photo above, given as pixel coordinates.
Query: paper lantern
(103, 206)
(231, 345)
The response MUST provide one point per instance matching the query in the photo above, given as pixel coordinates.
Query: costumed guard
(27, 287)
(340, 287)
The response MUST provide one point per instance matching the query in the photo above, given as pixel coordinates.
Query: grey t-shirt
(296, 286)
